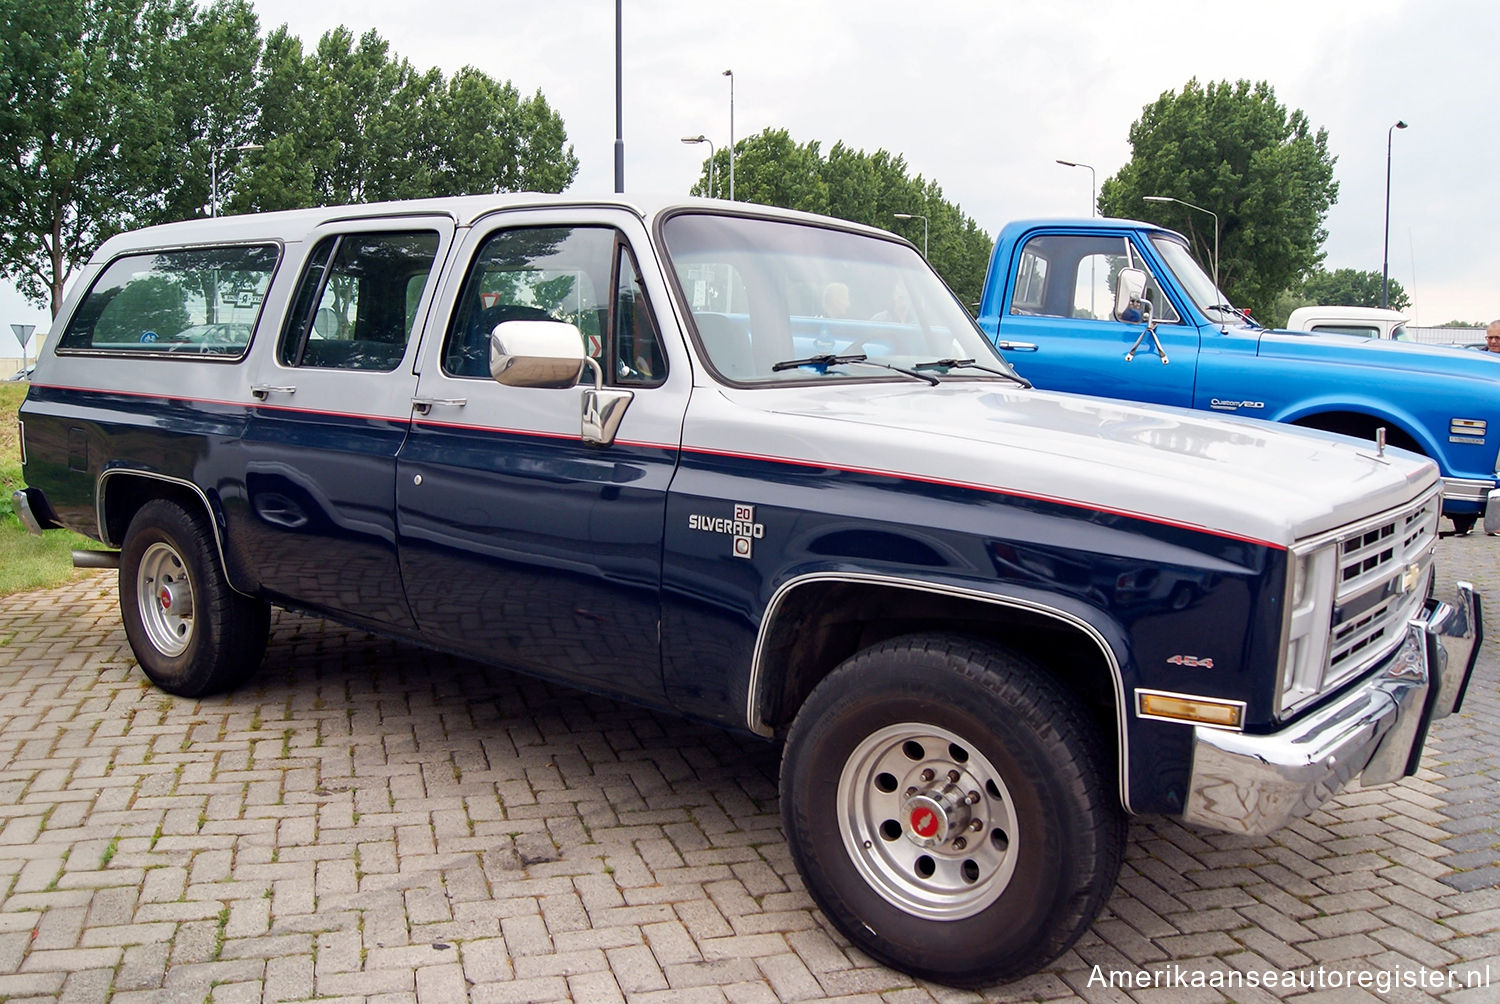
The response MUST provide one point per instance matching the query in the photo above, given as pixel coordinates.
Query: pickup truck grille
(1383, 570)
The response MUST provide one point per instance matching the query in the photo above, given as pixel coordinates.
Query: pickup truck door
(329, 410)
(521, 543)
(1057, 326)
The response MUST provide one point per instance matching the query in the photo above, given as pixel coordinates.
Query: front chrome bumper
(1254, 784)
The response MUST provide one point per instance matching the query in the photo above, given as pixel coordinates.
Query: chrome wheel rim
(928, 821)
(164, 599)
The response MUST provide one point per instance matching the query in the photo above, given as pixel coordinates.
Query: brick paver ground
(369, 821)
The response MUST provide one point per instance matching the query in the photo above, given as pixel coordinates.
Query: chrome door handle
(264, 390)
(1016, 346)
(424, 404)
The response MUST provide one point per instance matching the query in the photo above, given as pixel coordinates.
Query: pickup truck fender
(1306, 413)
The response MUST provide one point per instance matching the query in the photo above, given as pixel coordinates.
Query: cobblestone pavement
(368, 821)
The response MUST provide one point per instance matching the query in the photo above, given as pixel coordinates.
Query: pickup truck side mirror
(549, 354)
(1130, 290)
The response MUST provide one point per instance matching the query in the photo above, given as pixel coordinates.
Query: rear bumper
(1254, 784)
(27, 511)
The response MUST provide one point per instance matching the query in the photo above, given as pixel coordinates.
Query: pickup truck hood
(1237, 477)
(1351, 349)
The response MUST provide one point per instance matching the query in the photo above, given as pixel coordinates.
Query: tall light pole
(1093, 185)
(619, 112)
(213, 172)
(1385, 258)
(1168, 198)
(730, 75)
(916, 216)
(704, 139)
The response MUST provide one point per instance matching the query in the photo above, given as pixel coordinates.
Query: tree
(349, 122)
(1347, 287)
(118, 107)
(774, 170)
(98, 120)
(1232, 149)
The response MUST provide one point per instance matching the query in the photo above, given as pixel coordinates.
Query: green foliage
(152, 302)
(117, 109)
(1347, 287)
(772, 169)
(1232, 149)
(348, 122)
(1465, 324)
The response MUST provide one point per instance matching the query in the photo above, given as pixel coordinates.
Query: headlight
(1309, 610)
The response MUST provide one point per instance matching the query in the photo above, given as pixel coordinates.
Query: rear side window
(357, 302)
(194, 301)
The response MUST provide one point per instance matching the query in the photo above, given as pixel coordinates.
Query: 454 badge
(742, 527)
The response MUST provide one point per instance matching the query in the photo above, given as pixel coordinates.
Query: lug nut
(953, 777)
(959, 843)
(928, 775)
(972, 797)
(911, 791)
(976, 825)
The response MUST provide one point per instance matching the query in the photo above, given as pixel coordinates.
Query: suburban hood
(1240, 477)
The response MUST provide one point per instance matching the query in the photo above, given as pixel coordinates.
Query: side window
(584, 276)
(1073, 275)
(202, 301)
(356, 305)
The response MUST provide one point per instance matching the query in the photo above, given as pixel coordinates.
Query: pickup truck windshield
(763, 292)
(1214, 304)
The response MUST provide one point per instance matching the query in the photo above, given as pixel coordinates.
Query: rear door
(520, 543)
(331, 408)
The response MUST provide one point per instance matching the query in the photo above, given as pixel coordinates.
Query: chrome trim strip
(752, 708)
(202, 496)
(1221, 701)
(1467, 489)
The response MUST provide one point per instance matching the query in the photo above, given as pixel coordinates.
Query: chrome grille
(1382, 580)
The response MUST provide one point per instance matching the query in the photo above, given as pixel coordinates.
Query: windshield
(1200, 288)
(777, 301)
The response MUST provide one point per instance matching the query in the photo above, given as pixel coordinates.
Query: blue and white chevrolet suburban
(762, 469)
(1049, 302)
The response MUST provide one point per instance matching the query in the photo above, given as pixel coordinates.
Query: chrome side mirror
(536, 354)
(1130, 290)
(550, 355)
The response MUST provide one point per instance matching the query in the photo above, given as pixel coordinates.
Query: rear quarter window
(191, 302)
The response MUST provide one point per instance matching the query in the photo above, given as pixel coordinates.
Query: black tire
(1042, 842)
(192, 634)
(1462, 525)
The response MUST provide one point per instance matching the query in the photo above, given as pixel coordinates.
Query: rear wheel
(947, 806)
(192, 634)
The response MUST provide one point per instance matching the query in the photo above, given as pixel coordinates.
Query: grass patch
(26, 560)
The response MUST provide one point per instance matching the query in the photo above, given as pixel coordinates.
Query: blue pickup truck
(1053, 303)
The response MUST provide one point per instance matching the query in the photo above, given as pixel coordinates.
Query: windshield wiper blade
(969, 364)
(829, 359)
(825, 360)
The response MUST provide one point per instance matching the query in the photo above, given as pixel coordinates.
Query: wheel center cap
(926, 820)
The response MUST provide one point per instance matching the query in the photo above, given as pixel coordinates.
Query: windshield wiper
(829, 359)
(969, 364)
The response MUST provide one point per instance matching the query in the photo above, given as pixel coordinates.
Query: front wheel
(192, 634)
(946, 804)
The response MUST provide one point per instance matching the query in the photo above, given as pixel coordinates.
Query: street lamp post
(916, 216)
(619, 111)
(1093, 185)
(213, 172)
(704, 139)
(1385, 258)
(730, 75)
(1168, 198)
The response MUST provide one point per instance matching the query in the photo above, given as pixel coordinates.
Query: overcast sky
(983, 96)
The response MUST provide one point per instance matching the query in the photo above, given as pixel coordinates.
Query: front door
(1062, 302)
(520, 543)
